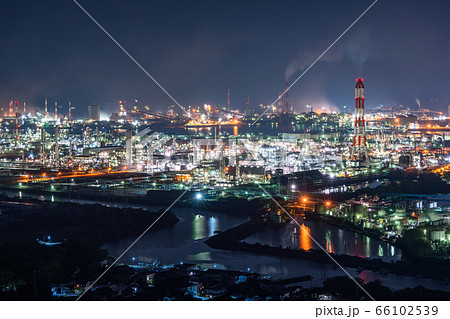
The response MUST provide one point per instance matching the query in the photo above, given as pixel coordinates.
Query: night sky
(199, 49)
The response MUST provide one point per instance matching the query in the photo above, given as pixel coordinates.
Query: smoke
(316, 100)
(104, 116)
(4, 104)
(304, 60)
(418, 102)
(358, 50)
(32, 108)
(323, 105)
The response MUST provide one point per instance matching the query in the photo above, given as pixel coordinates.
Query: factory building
(94, 112)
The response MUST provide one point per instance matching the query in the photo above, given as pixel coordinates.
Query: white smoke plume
(304, 60)
(418, 102)
(358, 50)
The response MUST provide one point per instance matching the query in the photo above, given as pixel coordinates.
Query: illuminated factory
(219, 145)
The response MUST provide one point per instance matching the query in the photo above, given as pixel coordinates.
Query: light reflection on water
(184, 241)
(328, 244)
(305, 240)
(205, 256)
(331, 238)
(204, 226)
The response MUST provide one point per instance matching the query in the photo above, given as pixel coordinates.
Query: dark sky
(199, 49)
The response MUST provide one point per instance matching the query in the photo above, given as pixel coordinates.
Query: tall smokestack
(46, 110)
(43, 159)
(24, 107)
(11, 111)
(122, 111)
(247, 102)
(56, 110)
(359, 150)
(280, 103)
(287, 102)
(228, 100)
(17, 121)
(70, 110)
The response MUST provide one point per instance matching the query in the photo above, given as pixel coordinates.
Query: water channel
(184, 242)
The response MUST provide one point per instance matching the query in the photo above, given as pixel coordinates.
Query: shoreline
(93, 224)
(232, 240)
(351, 227)
(239, 206)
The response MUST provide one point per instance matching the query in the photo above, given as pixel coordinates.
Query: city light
(343, 179)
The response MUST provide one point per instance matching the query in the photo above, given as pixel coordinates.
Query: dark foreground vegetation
(28, 271)
(90, 224)
(43, 244)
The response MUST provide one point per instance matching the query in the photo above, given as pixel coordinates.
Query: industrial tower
(287, 102)
(228, 100)
(17, 121)
(122, 111)
(359, 149)
(11, 110)
(247, 101)
(280, 103)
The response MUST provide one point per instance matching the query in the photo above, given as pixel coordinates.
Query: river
(184, 242)
(331, 238)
